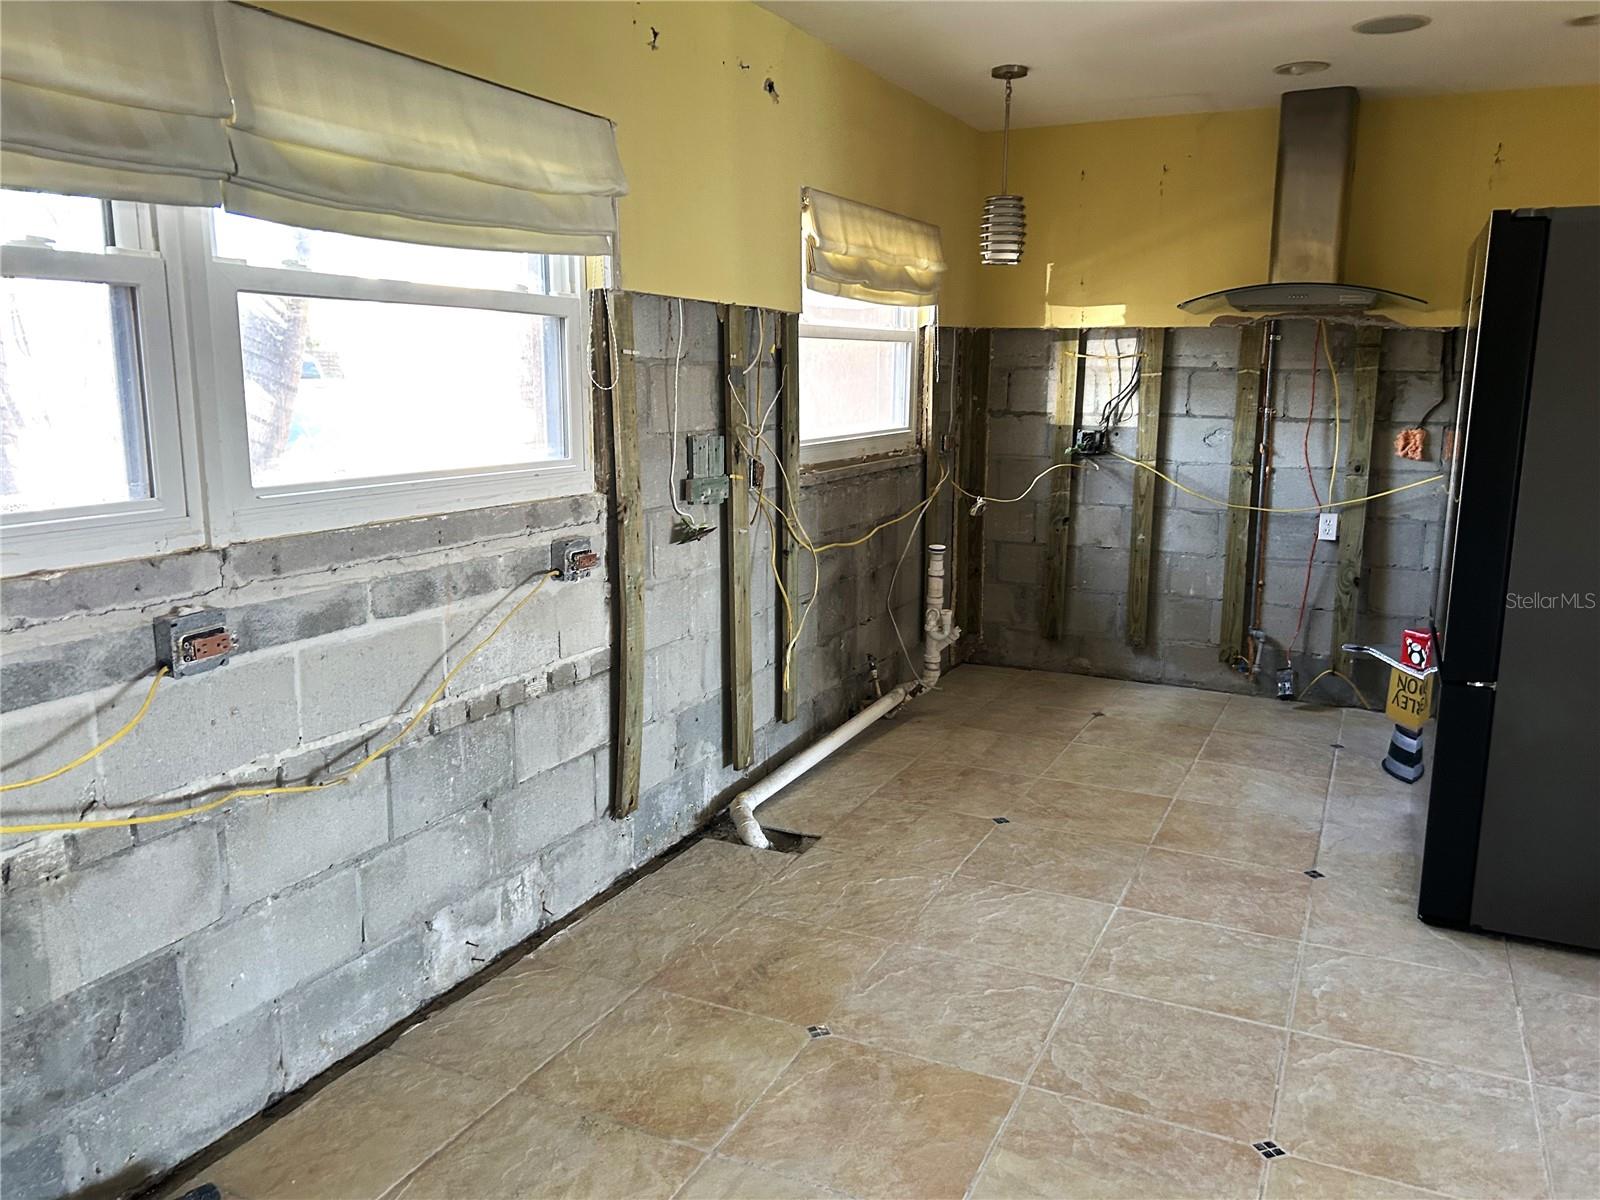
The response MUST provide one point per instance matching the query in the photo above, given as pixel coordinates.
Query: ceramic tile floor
(1113, 992)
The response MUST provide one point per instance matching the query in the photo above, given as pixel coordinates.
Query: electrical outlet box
(707, 482)
(1328, 527)
(188, 643)
(573, 558)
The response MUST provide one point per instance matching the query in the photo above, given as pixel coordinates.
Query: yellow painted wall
(1127, 218)
(715, 164)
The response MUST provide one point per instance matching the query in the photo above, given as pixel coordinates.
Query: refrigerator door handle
(1483, 683)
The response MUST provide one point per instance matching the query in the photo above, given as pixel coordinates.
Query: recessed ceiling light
(1400, 23)
(1585, 22)
(1308, 66)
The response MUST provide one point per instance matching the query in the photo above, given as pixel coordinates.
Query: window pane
(822, 309)
(357, 389)
(71, 411)
(267, 244)
(849, 388)
(66, 222)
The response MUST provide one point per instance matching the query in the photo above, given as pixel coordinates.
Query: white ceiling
(1096, 60)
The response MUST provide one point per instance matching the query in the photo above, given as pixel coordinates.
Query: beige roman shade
(118, 100)
(331, 133)
(867, 253)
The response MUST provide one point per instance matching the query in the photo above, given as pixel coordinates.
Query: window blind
(121, 101)
(867, 253)
(198, 103)
(336, 134)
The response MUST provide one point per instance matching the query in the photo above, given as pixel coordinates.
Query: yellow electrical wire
(1310, 508)
(278, 789)
(1365, 703)
(96, 752)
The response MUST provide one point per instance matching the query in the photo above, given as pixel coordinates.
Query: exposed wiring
(1188, 491)
(97, 751)
(1365, 703)
(1338, 409)
(278, 789)
(1311, 478)
(672, 405)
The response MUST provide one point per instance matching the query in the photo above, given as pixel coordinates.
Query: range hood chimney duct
(1311, 205)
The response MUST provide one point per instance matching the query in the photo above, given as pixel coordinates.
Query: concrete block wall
(1197, 403)
(163, 983)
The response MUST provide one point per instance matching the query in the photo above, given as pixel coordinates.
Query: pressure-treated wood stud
(1246, 409)
(789, 502)
(1144, 487)
(737, 536)
(1063, 434)
(628, 566)
(1357, 482)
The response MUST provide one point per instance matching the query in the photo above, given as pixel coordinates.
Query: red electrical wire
(1305, 452)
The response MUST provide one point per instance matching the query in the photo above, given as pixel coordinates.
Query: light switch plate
(1328, 527)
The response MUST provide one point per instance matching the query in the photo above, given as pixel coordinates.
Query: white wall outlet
(1328, 527)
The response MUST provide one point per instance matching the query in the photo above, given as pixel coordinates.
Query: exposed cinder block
(24, 965)
(1405, 595)
(306, 553)
(1413, 349)
(70, 668)
(669, 606)
(561, 726)
(155, 1119)
(438, 775)
(272, 842)
(406, 881)
(1196, 440)
(1186, 619)
(38, 739)
(295, 618)
(1208, 347)
(1022, 347)
(582, 620)
(90, 1040)
(1022, 390)
(585, 864)
(1015, 434)
(233, 968)
(1020, 564)
(199, 727)
(36, 1168)
(328, 1018)
(1211, 394)
(90, 924)
(134, 584)
(385, 669)
(1100, 525)
(406, 592)
(541, 811)
(461, 938)
(524, 649)
(670, 812)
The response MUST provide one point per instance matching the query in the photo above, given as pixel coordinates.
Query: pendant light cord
(1005, 145)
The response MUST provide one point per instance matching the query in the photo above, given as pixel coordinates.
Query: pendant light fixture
(1005, 224)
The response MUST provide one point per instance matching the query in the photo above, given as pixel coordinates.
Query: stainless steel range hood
(1316, 152)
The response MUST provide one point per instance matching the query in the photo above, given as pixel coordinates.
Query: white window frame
(828, 450)
(241, 510)
(170, 518)
(191, 363)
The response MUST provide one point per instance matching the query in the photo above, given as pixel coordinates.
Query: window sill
(821, 474)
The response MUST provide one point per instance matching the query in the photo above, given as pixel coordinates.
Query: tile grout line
(1044, 1048)
(1299, 966)
(1533, 1080)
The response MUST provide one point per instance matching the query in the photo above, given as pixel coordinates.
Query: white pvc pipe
(745, 803)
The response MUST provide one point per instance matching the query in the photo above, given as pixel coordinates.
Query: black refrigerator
(1513, 830)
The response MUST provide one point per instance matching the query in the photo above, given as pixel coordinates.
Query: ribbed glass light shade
(1003, 230)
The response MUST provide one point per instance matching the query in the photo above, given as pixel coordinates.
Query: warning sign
(1410, 699)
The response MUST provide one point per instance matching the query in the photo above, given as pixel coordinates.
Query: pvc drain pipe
(744, 804)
